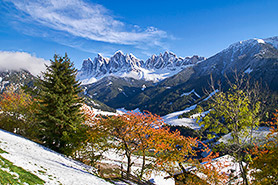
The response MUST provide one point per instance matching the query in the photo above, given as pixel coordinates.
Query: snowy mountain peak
(119, 52)
(256, 42)
(155, 68)
(170, 61)
(243, 44)
(242, 56)
(132, 56)
(260, 41)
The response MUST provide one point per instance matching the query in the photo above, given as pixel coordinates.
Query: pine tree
(59, 106)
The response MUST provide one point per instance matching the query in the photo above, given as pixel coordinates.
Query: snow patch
(187, 93)
(197, 94)
(259, 136)
(172, 119)
(260, 41)
(3, 84)
(143, 87)
(125, 94)
(211, 94)
(249, 70)
(124, 111)
(88, 81)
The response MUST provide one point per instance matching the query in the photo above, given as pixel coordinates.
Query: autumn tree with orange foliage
(265, 164)
(131, 134)
(17, 110)
(144, 133)
(173, 150)
(175, 154)
(97, 138)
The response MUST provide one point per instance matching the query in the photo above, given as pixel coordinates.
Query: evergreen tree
(59, 106)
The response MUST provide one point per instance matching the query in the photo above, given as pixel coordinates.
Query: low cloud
(21, 60)
(87, 20)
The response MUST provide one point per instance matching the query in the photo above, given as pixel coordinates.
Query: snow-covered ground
(106, 113)
(48, 165)
(124, 111)
(172, 119)
(259, 136)
(111, 157)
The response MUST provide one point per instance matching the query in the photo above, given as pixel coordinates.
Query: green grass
(2, 151)
(22, 176)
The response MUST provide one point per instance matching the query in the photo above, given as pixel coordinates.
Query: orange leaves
(88, 113)
(17, 111)
(265, 162)
(274, 124)
(15, 103)
(140, 133)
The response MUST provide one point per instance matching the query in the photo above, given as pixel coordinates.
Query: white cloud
(87, 20)
(21, 60)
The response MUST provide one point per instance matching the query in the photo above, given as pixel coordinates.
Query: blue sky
(83, 28)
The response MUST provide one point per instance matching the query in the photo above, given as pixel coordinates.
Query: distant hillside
(16, 78)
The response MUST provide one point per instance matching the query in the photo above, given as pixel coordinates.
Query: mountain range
(165, 83)
(155, 69)
(187, 78)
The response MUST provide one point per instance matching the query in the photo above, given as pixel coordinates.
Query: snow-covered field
(172, 119)
(259, 136)
(111, 157)
(48, 165)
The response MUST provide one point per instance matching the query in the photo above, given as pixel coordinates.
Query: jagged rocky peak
(170, 60)
(101, 59)
(101, 66)
(127, 65)
(124, 63)
(86, 68)
(193, 60)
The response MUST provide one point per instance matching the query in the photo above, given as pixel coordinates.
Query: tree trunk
(128, 171)
(143, 165)
(243, 173)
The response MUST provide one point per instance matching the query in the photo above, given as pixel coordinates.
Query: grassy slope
(11, 174)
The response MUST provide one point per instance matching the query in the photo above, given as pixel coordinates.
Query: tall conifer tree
(59, 106)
